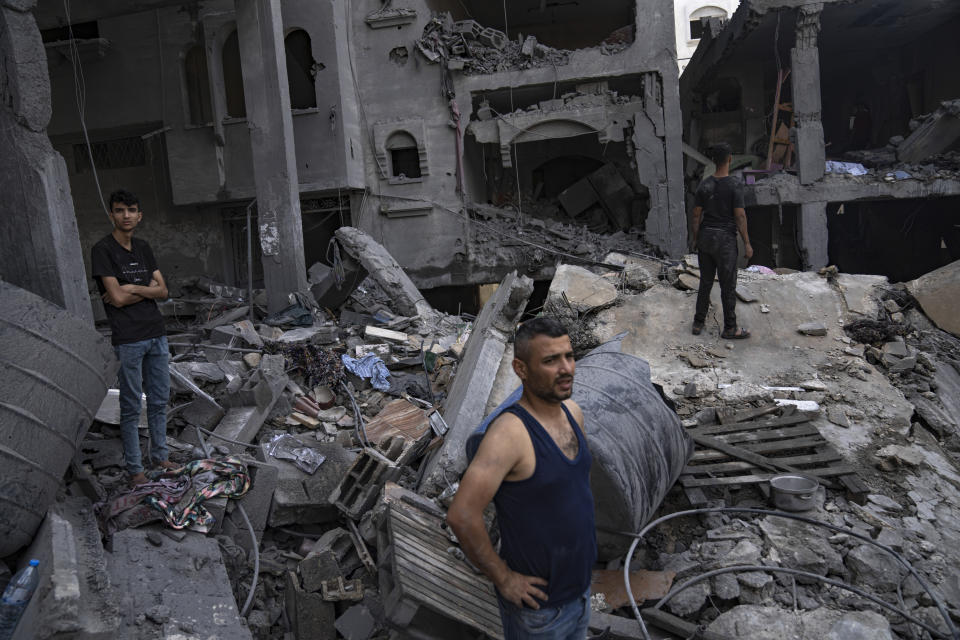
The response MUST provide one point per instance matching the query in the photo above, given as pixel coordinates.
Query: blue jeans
(567, 622)
(144, 368)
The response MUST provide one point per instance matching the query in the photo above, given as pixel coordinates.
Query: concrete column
(812, 220)
(262, 56)
(39, 242)
(805, 61)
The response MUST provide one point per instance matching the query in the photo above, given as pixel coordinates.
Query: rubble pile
(341, 431)
(502, 230)
(473, 49)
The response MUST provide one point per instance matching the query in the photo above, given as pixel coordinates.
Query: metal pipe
(189, 384)
(639, 536)
(250, 260)
(253, 534)
(214, 346)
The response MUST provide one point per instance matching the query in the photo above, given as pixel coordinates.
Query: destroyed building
(322, 434)
(858, 101)
(468, 140)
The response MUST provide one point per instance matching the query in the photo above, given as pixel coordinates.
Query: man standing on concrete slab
(534, 464)
(717, 216)
(130, 282)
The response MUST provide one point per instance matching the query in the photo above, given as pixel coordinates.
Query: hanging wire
(80, 95)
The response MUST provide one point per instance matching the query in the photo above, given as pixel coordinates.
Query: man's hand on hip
(521, 590)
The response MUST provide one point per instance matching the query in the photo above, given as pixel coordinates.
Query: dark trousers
(717, 252)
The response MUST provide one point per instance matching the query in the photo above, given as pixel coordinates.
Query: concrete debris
(349, 550)
(580, 290)
(938, 292)
(467, 402)
(473, 49)
(938, 132)
(771, 623)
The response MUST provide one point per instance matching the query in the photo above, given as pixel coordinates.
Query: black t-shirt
(719, 197)
(140, 320)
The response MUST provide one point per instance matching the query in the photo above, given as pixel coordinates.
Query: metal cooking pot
(793, 491)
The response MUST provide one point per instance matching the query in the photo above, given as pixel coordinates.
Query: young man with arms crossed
(130, 282)
(534, 464)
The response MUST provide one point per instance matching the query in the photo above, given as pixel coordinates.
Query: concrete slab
(938, 292)
(302, 498)
(187, 579)
(75, 595)
(583, 289)
(468, 395)
(658, 322)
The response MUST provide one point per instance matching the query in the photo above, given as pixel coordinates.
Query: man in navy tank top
(534, 464)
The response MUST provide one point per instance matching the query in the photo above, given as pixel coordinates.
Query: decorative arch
(709, 11)
(396, 142)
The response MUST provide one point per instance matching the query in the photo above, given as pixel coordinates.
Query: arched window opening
(696, 26)
(198, 85)
(404, 156)
(301, 70)
(233, 77)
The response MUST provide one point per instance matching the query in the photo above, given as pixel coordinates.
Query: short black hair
(123, 197)
(719, 153)
(539, 326)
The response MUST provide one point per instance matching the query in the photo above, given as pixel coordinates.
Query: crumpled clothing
(759, 268)
(849, 168)
(177, 495)
(369, 366)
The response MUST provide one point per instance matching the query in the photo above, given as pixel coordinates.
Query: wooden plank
(424, 563)
(754, 458)
(729, 416)
(465, 611)
(672, 624)
(767, 434)
(695, 496)
(751, 425)
(763, 447)
(687, 481)
(726, 467)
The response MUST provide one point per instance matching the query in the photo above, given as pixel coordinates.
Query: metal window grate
(112, 154)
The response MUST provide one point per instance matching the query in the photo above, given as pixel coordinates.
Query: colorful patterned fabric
(176, 496)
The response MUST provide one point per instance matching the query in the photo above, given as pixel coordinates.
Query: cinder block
(361, 486)
(301, 498)
(317, 568)
(310, 617)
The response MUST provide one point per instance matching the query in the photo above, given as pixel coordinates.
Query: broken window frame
(697, 16)
(300, 64)
(235, 103)
(403, 142)
(198, 105)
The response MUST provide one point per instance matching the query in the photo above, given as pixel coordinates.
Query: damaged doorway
(570, 180)
(321, 216)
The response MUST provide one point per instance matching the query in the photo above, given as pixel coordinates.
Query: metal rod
(189, 384)
(250, 260)
(213, 346)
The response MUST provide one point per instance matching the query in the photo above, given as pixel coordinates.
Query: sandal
(697, 328)
(735, 334)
